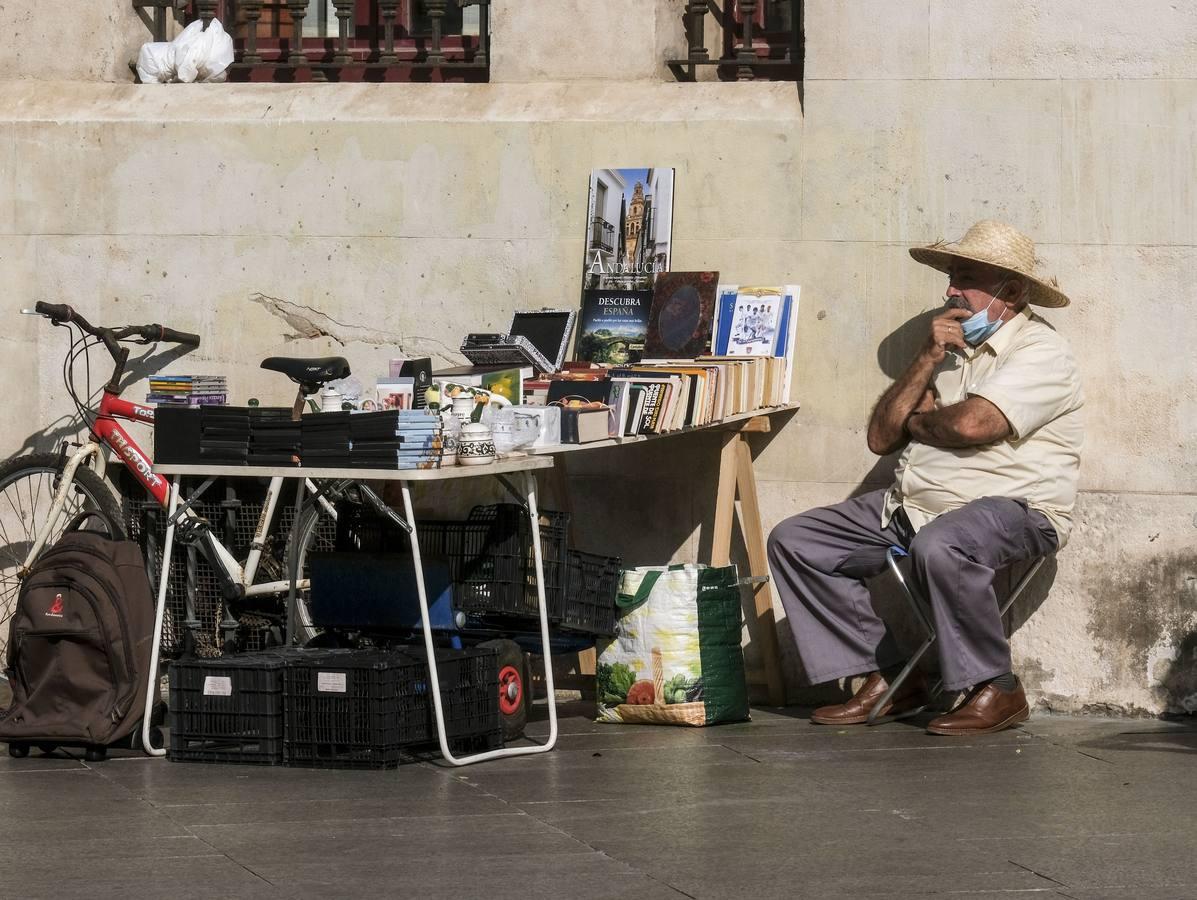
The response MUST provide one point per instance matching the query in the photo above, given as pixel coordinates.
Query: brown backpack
(79, 643)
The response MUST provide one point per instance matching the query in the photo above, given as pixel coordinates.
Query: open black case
(539, 339)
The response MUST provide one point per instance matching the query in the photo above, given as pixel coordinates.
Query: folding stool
(922, 612)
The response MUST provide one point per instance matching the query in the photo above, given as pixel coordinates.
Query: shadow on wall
(896, 350)
(1179, 685)
(70, 426)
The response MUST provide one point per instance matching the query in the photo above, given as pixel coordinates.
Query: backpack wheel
(17, 750)
(95, 753)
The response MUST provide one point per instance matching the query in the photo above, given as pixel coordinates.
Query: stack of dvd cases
(224, 435)
(395, 439)
(325, 440)
(273, 437)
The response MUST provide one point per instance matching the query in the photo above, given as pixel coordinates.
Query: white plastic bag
(156, 63)
(214, 66)
(203, 54)
(196, 54)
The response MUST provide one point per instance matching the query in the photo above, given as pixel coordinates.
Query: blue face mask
(977, 327)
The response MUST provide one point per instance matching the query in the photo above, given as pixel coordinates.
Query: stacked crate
(331, 708)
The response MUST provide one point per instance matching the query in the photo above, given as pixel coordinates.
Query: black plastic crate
(502, 577)
(469, 683)
(590, 593)
(227, 710)
(489, 554)
(362, 709)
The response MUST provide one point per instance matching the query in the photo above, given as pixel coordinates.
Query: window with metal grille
(753, 40)
(346, 40)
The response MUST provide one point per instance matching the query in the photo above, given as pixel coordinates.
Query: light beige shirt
(1027, 371)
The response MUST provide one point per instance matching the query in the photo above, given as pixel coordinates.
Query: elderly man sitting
(988, 418)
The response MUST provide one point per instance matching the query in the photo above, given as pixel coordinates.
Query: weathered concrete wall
(371, 220)
(52, 40)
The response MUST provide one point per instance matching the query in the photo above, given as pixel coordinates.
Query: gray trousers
(820, 559)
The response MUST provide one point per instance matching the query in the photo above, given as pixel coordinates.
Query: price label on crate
(218, 686)
(330, 682)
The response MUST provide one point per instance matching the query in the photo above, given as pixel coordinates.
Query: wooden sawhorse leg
(737, 477)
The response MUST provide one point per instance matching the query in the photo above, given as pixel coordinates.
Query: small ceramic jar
(476, 446)
(463, 408)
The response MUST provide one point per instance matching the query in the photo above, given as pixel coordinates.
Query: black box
(227, 710)
(177, 435)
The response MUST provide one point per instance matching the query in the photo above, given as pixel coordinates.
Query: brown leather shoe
(910, 699)
(984, 712)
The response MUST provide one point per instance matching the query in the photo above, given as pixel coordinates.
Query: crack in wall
(308, 323)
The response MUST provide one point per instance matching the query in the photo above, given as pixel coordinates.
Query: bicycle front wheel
(27, 488)
(317, 533)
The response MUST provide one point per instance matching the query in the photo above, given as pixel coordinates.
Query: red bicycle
(41, 492)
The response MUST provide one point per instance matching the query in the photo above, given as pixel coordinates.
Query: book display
(657, 351)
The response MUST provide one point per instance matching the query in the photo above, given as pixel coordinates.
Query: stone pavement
(776, 808)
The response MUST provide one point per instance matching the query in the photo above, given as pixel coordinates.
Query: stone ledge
(62, 101)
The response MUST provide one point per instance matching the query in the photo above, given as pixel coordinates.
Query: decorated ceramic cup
(475, 446)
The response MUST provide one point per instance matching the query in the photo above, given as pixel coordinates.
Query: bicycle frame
(107, 431)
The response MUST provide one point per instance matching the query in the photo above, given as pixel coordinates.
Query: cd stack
(187, 390)
(224, 435)
(324, 440)
(396, 439)
(274, 439)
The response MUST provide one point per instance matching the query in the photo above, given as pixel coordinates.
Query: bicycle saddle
(311, 373)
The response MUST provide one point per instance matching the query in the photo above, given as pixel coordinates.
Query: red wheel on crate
(514, 688)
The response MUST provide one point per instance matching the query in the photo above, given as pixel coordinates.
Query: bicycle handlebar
(59, 312)
(154, 333)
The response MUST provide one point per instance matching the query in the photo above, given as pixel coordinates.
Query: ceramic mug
(463, 408)
(476, 446)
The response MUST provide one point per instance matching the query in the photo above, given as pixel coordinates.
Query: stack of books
(187, 390)
(274, 439)
(395, 439)
(224, 435)
(324, 439)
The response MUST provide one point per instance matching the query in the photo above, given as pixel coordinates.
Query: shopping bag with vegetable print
(676, 657)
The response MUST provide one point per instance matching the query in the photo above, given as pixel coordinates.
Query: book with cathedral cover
(629, 229)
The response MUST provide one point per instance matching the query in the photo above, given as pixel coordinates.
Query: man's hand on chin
(946, 334)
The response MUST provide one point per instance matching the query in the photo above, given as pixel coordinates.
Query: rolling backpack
(79, 644)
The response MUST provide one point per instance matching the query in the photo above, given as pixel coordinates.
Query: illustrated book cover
(681, 316)
(629, 228)
(614, 326)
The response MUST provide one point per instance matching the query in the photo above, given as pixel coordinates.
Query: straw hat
(995, 244)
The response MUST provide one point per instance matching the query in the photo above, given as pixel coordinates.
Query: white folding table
(524, 467)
